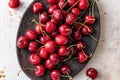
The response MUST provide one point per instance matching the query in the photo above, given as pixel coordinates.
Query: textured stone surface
(107, 55)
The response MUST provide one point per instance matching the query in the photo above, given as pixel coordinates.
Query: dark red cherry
(54, 21)
(22, 42)
(39, 70)
(49, 64)
(54, 34)
(38, 7)
(82, 57)
(14, 3)
(50, 27)
(44, 39)
(65, 69)
(76, 11)
(86, 30)
(37, 29)
(78, 25)
(58, 15)
(77, 35)
(34, 59)
(70, 18)
(52, 1)
(43, 17)
(50, 46)
(83, 4)
(52, 8)
(61, 4)
(33, 47)
(63, 51)
(92, 73)
(43, 53)
(80, 46)
(54, 58)
(30, 34)
(64, 30)
(89, 19)
(72, 2)
(55, 75)
(61, 40)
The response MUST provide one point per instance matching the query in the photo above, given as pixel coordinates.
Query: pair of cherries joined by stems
(52, 41)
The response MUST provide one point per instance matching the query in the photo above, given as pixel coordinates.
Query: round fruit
(14, 3)
(39, 70)
(92, 73)
(61, 40)
(35, 59)
(30, 34)
(38, 7)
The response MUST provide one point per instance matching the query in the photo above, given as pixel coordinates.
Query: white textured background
(107, 55)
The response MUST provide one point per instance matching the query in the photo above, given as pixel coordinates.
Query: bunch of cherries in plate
(57, 35)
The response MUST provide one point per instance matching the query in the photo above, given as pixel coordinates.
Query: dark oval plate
(23, 54)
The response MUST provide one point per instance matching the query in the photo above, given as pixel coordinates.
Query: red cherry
(64, 30)
(50, 27)
(52, 8)
(63, 51)
(38, 7)
(22, 42)
(54, 34)
(86, 30)
(76, 11)
(44, 39)
(72, 2)
(78, 25)
(58, 15)
(39, 70)
(61, 4)
(77, 35)
(61, 40)
(49, 64)
(89, 19)
(30, 34)
(82, 57)
(43, 18)
(55, 75)
(54, 58)
(80, 46)
(35, 59)
(54, 21)
(50, 46)
(37, 29)
(14, 3)
(65, 69)
(92, 73)
(43, 53)
(33, 47)
(52, 1)
(70, 18)
(83, 4)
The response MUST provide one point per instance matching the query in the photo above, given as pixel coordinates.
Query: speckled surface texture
(107, 55)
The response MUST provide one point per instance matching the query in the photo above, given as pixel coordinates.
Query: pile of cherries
(57, 35)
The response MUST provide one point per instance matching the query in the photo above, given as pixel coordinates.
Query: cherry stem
(90, 55)
(35, 21)
(93, 37)
(24, 69)
(72, 6)
(69, 57)
(93, 8)
(64, 4)
(38, 41)
(82, 14)
(67, 76)
(71, 46)
(39, 49)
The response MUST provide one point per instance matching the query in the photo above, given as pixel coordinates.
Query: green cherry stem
(64, 4)
(38, 41)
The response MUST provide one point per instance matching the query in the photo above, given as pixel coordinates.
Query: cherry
(61, 40)
(33, 46)
(65, 69)
(54, 21)
(86, 30)
(54, 58)
(77, 35)
(50, 46)
(62, 4)
(35, 59)
(54, 34)
(44, 39)
(70, 18)
(76, 11)
(50, 27)
(78, 25)
(39, 70)
(82, 57)
(38, 7)
(43, 53)
(14, 3)
(22, 42)
(72, 2)
(37, 29)
(58, 15)
(43, 18)
(49, 64)
(63, 51)
(92, 73)
(83, 4)
(80, 46)
(64, 30)
(64, 13)
(30, 34)
(52, 1)
(89, 19)
(55, 75)
(52, 8)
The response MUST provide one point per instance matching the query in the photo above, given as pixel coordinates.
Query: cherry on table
(30, 34)
(54, 58)
(52, 8)
(49, 64)
(38, 7)
(39, 70)
(92, 73)
(43, 53)
(61, 40)
(55, 75)
(34, 59)
(83, 4)
(33, 47)
(43, 17)
(14, 3)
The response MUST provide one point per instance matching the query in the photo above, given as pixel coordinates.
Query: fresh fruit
(65, 69)
(31, 35)
(49, 64)
(55, 75)
(58, 15)
(83, 4)
(52, 1)
(50, 27)
(63, 51)
(43, 53)
(33, 47)
(61, 40)
(44, 39)
(76, 11)
(86, 30)
(52, 8)
(39, 70)
(89, 19)
(82, 57)
(38, 7)
(92, 73)
(70, 18)
(34, 59)
(14, 3)
(54, 58)
(43, 18)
